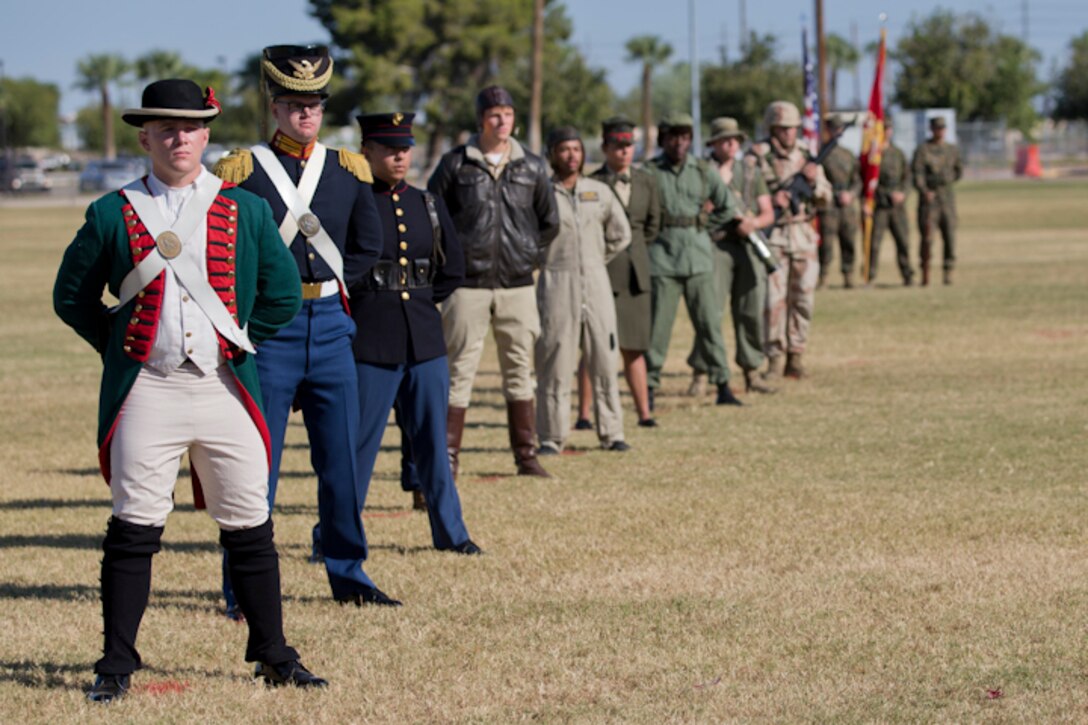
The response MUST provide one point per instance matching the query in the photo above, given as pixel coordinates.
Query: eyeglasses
(316, 108)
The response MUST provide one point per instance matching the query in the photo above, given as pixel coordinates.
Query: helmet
(782, 113)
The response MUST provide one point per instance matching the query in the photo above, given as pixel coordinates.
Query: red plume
(210, 101)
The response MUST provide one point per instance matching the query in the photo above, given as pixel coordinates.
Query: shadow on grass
(44, 675)
(28, 504)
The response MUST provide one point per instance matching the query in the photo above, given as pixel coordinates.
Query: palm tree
(650, 50)
(96, 73)
(160, 64)
(841, 55)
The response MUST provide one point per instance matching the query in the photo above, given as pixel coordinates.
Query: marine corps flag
(872, 146)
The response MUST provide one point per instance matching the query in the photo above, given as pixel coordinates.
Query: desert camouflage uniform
(791, 289)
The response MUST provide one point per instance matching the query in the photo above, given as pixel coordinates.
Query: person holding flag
(872, 147)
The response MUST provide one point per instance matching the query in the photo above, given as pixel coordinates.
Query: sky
(44, 39)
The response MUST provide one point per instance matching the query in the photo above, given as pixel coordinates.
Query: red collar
(287, 145)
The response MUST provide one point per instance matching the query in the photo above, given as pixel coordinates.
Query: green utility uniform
(682, 261)
(936, 166)
(740, 278)
(894, 177)
(836, 220)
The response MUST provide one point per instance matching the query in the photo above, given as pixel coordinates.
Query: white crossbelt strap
(297, 200)
(189, 274)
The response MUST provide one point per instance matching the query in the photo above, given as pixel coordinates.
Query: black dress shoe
(107, 688)
(369, 595)
(648, 423)
(619, 446)
(726, 397)
(288, 673)
(547, 451)
(468, 547)
(583, 424)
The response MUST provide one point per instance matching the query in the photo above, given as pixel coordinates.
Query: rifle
(798, 187)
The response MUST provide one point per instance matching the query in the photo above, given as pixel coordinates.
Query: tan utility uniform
(574, 298)
(791, 290)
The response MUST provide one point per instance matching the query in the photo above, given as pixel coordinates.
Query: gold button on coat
(401, 228)
(404, 295)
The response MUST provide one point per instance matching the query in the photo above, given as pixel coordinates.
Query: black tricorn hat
(297, 69)
(389, 129)
(173, 98)
(492, 96)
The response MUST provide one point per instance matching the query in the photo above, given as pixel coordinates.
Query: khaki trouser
(568, 328)
(791, 290)
(515, 323)
(165, 416)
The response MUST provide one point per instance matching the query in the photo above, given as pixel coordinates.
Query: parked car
(111, 175)
(23, 174)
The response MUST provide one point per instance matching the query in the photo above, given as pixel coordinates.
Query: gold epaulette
(357, 165)
(236, 167)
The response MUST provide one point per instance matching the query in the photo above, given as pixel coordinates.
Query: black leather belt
(399, 275)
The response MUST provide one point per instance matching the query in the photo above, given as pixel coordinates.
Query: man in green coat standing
(839, 220)
(693, 201)
(201, 277)
(936, 166)
(891, 207)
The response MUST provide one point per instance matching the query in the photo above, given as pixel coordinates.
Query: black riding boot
(126, 586)
(255, 575)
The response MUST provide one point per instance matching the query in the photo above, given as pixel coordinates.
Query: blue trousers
(421, 391)
(310, 361)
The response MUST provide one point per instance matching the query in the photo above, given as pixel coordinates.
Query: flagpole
(872, 148)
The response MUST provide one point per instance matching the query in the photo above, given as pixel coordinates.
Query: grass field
(899, 538)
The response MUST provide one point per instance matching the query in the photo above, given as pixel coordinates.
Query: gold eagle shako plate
(168, 244)
(309, 224)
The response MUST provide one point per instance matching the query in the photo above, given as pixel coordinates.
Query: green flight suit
(838, 222)
(682, 261)
(740, 278)
(936, 166)
(894, 177)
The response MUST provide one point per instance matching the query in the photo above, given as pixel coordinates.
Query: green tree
(745, 88)
(1071, 87)
(28, 110)
(434, 57)
(651, 51)
(160, 64)
(957, 61)
(90, 127)
(96, 74)
(574, 94)
(841, 56)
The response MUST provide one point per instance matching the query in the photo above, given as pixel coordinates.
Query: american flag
(810, 124)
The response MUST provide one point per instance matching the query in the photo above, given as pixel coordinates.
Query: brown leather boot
(925, 275)
(697, 389)
(948, 276)
(754, 383)
(418, 502)
(794, 368)
(521, 420)
(774, 368)
(455, 428)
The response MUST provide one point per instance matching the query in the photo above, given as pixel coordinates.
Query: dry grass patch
(898, 539)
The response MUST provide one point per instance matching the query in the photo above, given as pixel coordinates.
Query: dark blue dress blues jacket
(344, 205)
(396, 326)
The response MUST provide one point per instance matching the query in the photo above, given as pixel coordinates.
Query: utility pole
(696, 106)
(821, 59)
(537, 91)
